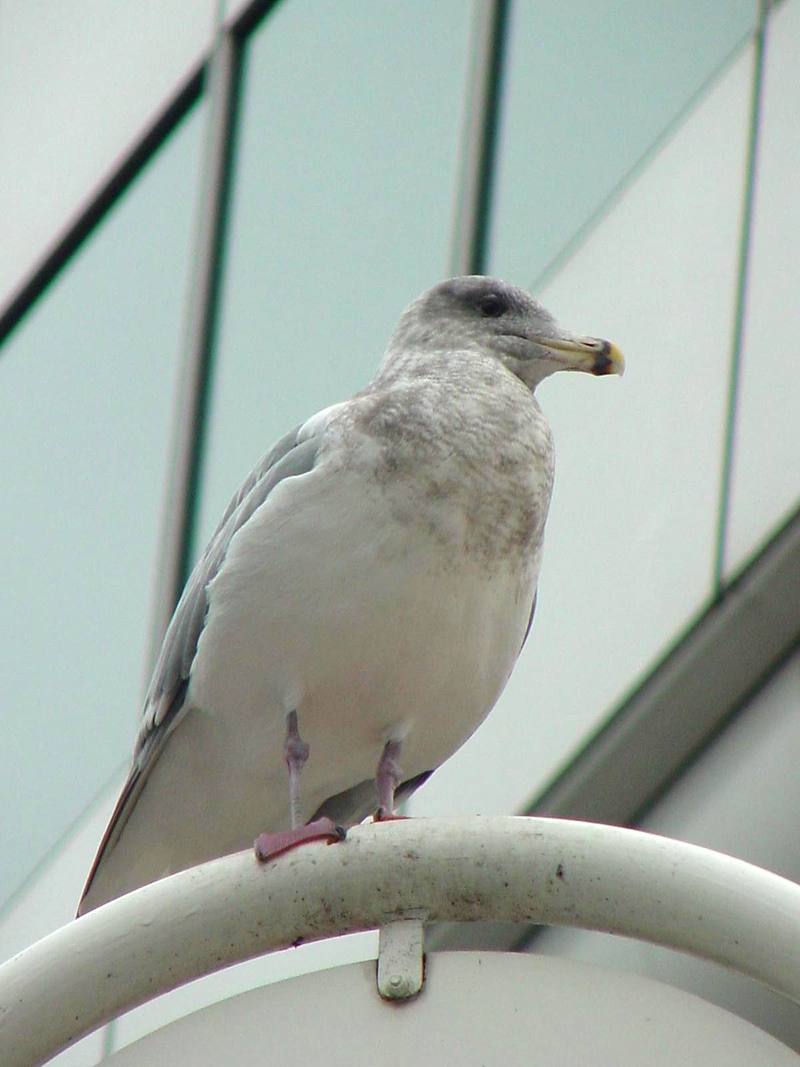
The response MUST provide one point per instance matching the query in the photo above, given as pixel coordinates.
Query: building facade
(216, 214)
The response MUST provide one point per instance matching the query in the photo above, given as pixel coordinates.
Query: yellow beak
(591, 354)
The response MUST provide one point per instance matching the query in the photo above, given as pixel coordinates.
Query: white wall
(766, 469)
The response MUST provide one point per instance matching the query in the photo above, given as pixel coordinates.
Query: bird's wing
(294, 454)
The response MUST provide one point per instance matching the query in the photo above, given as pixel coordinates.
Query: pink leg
(295, 752)
(388, 778)
(268, 846)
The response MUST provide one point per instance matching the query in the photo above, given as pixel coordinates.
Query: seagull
(363, 601)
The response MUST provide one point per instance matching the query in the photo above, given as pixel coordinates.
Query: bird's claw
(268, 846)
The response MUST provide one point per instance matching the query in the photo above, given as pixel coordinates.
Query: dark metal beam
(190, 417)
(469, 251)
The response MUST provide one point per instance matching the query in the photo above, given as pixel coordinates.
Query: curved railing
(549, 871)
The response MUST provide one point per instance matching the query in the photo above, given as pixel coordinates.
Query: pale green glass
(591, 88)
(86, 391)
(341, 213)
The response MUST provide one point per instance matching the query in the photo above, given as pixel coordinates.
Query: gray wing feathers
(286, 460)
(183, 632)
(276, 453)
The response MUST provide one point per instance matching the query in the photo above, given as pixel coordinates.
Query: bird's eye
(492, 305)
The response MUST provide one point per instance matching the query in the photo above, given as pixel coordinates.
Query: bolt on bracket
(400, 959)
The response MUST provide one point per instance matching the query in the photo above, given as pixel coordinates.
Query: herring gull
(363, 601)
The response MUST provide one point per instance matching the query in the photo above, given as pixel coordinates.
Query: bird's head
(485, 314)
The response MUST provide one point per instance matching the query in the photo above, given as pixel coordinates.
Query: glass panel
(87, 391)
(591, 88)
(631, 534)
(765, 485)
(91, 77)
(341, 212)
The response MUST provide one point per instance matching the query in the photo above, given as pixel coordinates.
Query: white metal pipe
(547, 871)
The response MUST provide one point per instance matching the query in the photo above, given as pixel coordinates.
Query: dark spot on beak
(603, 363)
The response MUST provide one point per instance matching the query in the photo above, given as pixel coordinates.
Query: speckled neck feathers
(464, 451)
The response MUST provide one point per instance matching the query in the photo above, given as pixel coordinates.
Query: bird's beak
(591, 354)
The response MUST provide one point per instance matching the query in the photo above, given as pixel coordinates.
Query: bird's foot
(268, 846)
(388, 816)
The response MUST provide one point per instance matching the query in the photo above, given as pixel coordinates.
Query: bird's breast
(474, 476)
(346, 600)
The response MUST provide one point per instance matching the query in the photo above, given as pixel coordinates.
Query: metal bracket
(400, 959)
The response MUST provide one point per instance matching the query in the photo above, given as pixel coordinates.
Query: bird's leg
(387, 778)
(267, 846)
(295, 751)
